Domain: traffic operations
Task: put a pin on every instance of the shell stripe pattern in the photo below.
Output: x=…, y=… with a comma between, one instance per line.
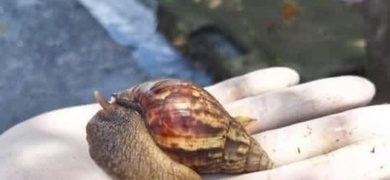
x=191, y=126
x=237, y=146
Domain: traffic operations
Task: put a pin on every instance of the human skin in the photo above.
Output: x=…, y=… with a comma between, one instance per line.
x=315, y=130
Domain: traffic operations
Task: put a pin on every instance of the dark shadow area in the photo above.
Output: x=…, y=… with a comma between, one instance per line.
x=212, y=47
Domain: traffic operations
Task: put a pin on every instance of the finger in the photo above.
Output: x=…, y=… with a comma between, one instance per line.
x=366, y=160
x=303, y=102
x=253, y=83
x=312, y=138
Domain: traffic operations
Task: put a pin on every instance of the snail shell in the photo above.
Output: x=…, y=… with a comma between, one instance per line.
x=193, y=128
x=170, y=129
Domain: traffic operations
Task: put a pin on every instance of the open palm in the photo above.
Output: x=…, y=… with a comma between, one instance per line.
x=316, y=130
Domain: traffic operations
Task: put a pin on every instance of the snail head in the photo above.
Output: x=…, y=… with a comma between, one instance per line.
x=108, y=133
x=121, y=145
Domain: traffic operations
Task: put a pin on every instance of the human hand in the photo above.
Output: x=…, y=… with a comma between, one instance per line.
x=319, y=130
x=53, y=145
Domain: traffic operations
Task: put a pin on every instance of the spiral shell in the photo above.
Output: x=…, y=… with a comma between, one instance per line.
x=193, y=128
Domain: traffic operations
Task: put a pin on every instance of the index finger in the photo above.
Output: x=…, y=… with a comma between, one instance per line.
x=253, y=83
x=303, y=102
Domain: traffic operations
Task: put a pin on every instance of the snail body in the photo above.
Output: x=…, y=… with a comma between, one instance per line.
x=182, y=123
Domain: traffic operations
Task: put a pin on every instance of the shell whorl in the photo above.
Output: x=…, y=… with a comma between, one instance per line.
x=192, y=127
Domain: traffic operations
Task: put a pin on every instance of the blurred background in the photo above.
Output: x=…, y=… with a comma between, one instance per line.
x=53, y=54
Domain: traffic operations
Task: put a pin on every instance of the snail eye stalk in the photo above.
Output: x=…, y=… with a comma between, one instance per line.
x=99, y=99
x=128, y=104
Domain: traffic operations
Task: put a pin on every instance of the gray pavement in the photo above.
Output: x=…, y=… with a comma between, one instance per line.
x=53, y=54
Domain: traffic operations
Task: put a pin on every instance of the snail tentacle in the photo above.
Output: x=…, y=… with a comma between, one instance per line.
x=102, y=102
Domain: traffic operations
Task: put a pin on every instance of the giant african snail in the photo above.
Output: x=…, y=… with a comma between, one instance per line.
x=170, y=129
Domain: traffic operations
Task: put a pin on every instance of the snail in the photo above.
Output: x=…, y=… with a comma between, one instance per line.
x=170, y=129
